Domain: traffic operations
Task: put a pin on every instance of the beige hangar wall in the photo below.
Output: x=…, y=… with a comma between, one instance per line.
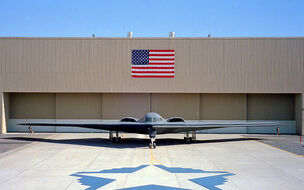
x=4, y=111
x=103, y=65
x=204, y=66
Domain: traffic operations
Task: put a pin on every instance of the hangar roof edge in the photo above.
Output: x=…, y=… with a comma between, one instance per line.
x=149, y=38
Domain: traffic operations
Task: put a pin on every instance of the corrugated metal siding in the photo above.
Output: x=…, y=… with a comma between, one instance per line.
x=221, y=65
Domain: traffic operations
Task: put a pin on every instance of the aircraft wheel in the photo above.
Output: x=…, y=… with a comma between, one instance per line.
x=115, y=140
x=188, y=140
x=154, y=145
x=150, y=145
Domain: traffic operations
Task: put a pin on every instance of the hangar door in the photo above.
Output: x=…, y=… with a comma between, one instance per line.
x=275, y=107
x=261, y=107
x=222, y=106
x=178, y=105
x=35, y=106
x=25, y=107
x=116, y=106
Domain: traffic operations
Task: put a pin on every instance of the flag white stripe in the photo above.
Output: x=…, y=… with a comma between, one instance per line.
x=152, y=61
x=151, y=53
x=152, y=66
x=161, y=57
x=152, y=69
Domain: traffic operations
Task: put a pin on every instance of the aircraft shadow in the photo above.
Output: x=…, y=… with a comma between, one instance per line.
x=127, y=142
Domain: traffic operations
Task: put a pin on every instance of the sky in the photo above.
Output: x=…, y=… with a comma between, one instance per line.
x=151, y=18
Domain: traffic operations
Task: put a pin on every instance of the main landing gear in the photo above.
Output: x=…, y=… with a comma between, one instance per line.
x=115, y=139
x=189, y=139
x=152, y=135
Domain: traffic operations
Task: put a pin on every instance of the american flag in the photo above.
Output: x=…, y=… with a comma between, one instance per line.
x=153, y=63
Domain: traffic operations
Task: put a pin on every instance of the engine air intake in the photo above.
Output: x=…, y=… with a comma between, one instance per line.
x=128, y=119
x=176, y=119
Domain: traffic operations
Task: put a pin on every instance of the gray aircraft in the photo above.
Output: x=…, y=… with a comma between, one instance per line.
x=152, y=124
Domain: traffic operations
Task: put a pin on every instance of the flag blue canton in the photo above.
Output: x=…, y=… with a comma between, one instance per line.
x=140, y=57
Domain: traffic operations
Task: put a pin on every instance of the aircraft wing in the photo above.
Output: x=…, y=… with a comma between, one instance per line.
x=161, y=128
x=173, y=127
x=129, y=127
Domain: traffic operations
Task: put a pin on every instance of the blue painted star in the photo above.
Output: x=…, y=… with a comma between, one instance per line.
x=152, y=177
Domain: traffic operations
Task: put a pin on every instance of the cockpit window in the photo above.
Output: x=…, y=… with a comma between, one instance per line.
x=156, y=119
x=152, y=117
x=148, y=119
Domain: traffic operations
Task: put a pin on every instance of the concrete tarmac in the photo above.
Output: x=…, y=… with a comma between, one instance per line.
x=290, y=143
x=89, y=161
x=7, y=143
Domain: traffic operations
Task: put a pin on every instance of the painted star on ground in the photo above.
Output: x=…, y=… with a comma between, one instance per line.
x=152, y=177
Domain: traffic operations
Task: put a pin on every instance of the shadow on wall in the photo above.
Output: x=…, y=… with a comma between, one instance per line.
x=210, y=182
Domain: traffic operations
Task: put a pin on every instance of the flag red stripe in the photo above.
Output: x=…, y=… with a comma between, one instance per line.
x=152, y=71
x=169, y=50
x=152, y=67
x=153, y=76
x=161, y=59
x=161, y=64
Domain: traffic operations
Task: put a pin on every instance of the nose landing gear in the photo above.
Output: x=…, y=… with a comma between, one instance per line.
x=152, y=135
x=152, y=144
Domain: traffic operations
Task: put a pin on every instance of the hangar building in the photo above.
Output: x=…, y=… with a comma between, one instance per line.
x=52, y=79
